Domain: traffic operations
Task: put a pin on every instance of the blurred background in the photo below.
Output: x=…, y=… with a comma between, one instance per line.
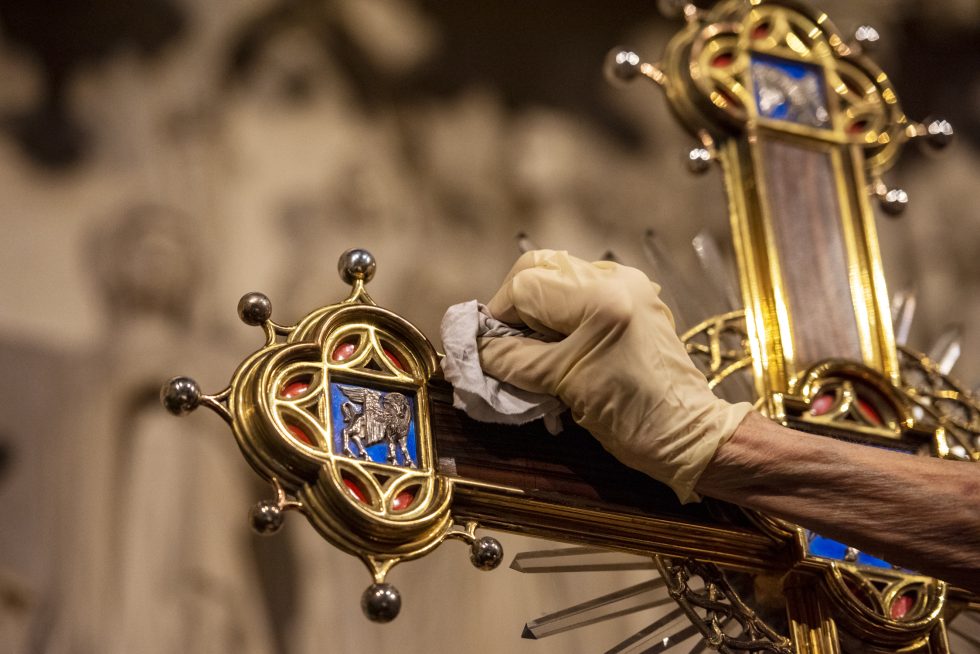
x=160, y=158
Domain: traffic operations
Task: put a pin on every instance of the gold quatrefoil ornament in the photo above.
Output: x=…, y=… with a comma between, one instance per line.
x=334, y=413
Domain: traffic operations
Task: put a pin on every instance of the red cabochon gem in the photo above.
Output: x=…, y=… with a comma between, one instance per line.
x=355, y=490
x=344, y=351
x=761, y=31
x=902, y=605
x=403, y=500
x=869, y=412
x=295, y=389
x=394, y=359
x=299, y=434
x=723, y=60
x=821, y=404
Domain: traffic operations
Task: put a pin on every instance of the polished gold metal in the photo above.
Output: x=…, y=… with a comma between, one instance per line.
x=714, y=607
x=708, y=68
x=279, y=407
x=943, y=405
x=811, y=625
x=719, y=345
x=284, y=417
x=868, y=390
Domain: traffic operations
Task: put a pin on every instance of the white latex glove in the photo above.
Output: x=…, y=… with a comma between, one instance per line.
x=618, y=364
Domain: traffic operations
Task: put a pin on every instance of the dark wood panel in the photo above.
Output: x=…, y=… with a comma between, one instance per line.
x=806, y=220
x=570, y=469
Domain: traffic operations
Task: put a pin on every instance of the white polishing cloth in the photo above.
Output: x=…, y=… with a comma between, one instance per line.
x=482, y=397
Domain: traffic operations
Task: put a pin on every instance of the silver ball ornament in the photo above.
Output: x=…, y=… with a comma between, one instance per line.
x=180, y=395
x=867, y=37
x=698, y=160
x=486, y=553
x=939, y=134
x=894, y=201
x=254, y=308
x=356, y=264
x=266, y=517
x=381, y=602
x=621, y=65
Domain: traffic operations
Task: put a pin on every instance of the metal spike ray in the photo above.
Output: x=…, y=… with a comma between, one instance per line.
x=579, y=559
x=718, y=272
x=945, y=352
x=525, y=244
x=903, y=311
x=975, y=618
x=642, y=596
x=973, y=640
x=674, y=290
x=651, y=636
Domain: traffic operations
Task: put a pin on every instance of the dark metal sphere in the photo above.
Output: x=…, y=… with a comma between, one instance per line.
x=381, y=602
x=266, y=517
x=621, y=65
x=867, y=37
x=698, y=160
x=486, y=553
x=894, y=201
x=356, y=264
x=254, y=308
x=180, y=395
x=939, y=134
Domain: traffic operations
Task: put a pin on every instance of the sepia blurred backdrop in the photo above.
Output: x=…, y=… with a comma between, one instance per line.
x=159, y=159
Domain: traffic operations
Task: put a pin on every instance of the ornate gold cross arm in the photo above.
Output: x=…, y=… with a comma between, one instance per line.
x=346, y=416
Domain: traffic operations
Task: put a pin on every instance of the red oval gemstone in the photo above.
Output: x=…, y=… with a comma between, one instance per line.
x=821, y=404
x=355, y=490
x=857, y=127
x=394, y=359
x=294, y=389
x=299, y=434
x=869, y=412
x=403, y=500
x=344, y=351
x=761, y=31
x=723, y=60
x=901, y=606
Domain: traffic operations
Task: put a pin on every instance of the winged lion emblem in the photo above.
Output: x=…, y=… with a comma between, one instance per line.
x=382, y=418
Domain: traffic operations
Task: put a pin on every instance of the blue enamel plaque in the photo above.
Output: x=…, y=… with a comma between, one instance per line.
x=790, y=91
x=373, y=424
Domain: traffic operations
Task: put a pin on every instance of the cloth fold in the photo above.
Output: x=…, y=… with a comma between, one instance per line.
x=482, y=397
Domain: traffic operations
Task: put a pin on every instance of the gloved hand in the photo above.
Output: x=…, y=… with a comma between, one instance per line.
x=618, y=364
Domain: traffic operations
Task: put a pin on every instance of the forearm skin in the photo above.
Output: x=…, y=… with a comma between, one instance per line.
x=916, y=512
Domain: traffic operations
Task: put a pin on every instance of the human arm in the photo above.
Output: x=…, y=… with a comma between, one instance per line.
x=920, y=513
x=619, y=366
